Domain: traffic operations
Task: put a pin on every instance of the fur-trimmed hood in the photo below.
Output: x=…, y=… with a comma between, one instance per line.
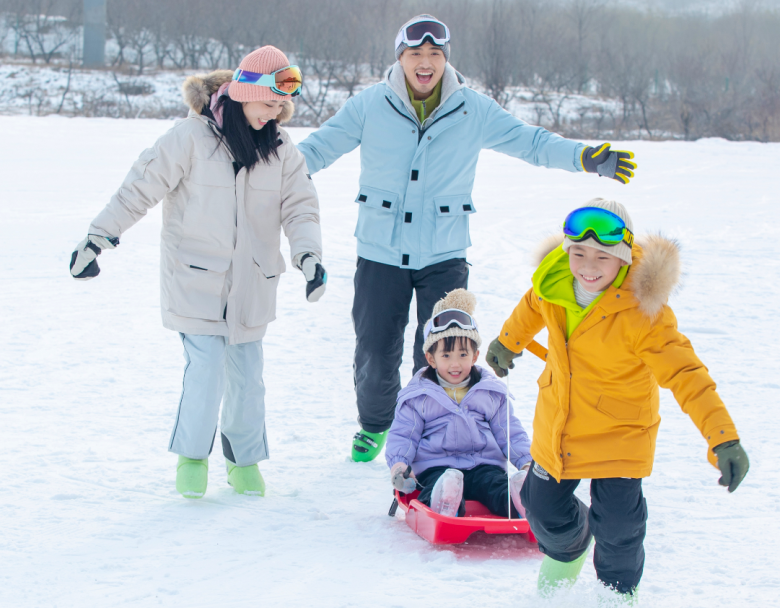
x=197, y=91
x=654, y=275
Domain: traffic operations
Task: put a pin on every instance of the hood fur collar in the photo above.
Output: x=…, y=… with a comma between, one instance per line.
x=197, y=91
x=654, y=275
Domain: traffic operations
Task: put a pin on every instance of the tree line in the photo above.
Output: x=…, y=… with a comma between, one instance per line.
x=590, y=68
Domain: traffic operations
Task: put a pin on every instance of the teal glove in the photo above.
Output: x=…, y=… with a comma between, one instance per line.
x=499, y=357
x=615, y=164
x=733, y=463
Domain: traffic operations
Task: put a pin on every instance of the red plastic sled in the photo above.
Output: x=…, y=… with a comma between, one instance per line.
x=443, y=530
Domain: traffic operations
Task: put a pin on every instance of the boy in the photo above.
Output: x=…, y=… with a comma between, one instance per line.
x=612, y=341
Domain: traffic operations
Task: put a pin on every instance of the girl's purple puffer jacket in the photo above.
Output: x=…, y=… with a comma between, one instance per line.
x=430, y=429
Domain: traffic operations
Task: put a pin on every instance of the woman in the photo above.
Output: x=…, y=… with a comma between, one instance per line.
x=229, y=179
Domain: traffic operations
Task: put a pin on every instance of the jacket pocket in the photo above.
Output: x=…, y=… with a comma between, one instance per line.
x=545, y=379
x=266, y=176
x=198, y=281
x=260, y=304
x=619, y=410
x=212, y=173
x=377, y=218
x=452, y=223
x=268, y=258
x=138, y=170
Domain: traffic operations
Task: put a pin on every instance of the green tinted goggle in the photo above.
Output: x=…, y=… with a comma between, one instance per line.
x=599, y=224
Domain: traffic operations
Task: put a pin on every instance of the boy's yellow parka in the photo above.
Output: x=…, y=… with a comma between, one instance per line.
x=597, y=410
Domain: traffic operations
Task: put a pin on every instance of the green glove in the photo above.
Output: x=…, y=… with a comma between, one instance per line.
x=733, y=464
x=499, y=357
x=609, y=163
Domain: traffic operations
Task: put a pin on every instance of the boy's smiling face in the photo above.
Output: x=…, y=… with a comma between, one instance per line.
x=453, y=366
x=594, y=269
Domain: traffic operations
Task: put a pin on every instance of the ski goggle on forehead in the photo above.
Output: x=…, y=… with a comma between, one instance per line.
x=447, y=318
x=286, y=81
x=415, y=33
x=599, y=224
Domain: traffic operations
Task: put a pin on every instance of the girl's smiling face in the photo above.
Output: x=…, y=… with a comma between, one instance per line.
x=453, y=366
x=258, y=113
x=594, y=269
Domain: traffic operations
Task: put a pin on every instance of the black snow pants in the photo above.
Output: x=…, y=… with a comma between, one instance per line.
x=380, y=313
x=563, y=525
x=486, y=483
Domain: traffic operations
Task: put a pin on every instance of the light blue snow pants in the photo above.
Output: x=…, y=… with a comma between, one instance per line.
x=215, y=369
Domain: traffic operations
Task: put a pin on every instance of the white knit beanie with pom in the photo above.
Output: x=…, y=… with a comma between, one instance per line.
x=458, y=299
x=621, y=250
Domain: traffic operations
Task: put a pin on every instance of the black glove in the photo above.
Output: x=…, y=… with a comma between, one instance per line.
x=83, y=261
x=316, y=277
x=499, y=357
x=733, y=463
x=614, y=164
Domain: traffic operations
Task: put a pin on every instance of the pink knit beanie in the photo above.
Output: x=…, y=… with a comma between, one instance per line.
x=264, y=60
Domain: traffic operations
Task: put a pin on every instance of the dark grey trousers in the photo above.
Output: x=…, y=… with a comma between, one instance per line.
x=485, y=483
x=563, y=525
x=380, y=313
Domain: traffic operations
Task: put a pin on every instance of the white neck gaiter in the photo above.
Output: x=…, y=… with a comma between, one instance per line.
x=445, y=384
x=583, y=296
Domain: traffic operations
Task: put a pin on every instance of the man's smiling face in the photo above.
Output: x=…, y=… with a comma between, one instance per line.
x=423, y=67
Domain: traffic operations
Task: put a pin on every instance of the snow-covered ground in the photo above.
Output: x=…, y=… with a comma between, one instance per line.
x=89, y=382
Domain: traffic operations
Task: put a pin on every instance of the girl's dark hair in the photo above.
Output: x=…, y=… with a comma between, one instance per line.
x=449, y=344
x=247, y=145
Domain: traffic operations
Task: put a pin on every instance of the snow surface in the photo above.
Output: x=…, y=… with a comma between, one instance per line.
x=89, y=382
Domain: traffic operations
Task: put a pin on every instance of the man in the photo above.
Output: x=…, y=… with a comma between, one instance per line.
x=420, y=133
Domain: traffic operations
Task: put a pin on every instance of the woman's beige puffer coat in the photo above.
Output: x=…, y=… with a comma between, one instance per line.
x=220, y=246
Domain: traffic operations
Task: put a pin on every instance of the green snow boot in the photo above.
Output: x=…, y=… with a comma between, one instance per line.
x=246, y=480
x=192, y=476
x=366, y=446
x=554, y=575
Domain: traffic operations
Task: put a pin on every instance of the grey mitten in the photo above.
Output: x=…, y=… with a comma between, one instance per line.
x=733, y=463
x=316, y=277
x=499, y=357
x=402, y=478
x=83, y=261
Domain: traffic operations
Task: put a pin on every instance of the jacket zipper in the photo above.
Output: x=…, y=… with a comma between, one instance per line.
x=420, y=130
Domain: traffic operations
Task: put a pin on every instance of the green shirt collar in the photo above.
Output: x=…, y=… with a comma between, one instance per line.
x=425, y=107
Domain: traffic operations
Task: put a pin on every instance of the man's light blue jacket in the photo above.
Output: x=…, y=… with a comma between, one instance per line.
x=416, y=180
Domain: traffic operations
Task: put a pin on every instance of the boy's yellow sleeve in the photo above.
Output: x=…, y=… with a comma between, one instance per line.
x=670, y=355
x=524, y=323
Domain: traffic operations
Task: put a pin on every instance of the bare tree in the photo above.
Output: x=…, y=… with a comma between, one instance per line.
x=44, y=27
x=583, y=15
x=497, y=51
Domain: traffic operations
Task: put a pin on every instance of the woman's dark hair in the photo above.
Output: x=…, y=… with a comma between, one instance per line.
x=449, y=344
x=247, y=145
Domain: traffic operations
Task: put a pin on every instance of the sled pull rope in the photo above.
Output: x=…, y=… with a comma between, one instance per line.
x=508, y=451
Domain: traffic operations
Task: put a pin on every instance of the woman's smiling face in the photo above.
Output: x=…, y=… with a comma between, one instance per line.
x=258, y=113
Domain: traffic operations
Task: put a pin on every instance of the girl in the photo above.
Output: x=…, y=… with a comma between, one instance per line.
x=230, y=179
x=450, y=423
x=612, y=341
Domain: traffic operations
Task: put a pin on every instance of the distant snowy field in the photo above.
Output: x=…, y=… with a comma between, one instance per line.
x=89, y=382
